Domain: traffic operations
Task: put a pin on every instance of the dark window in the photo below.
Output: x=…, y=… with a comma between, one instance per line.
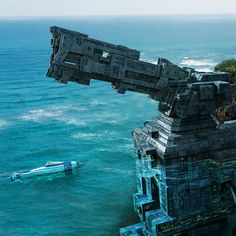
x=154, y=161
x=139, y=155
x=144, y=185
x=155, y=192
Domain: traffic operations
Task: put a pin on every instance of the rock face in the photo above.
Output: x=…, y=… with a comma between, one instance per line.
x=186, y=158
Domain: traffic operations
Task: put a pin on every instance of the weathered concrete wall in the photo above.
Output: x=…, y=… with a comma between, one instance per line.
x=185, y=177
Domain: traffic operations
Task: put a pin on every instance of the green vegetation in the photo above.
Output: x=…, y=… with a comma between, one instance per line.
x=228, y=66
x=227, y=112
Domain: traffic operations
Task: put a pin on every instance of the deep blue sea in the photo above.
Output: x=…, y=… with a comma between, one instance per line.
x=42, y=120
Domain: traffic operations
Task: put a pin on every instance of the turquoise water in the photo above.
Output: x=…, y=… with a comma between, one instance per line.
x=41, y=120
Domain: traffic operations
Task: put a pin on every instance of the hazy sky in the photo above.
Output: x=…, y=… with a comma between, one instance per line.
x=114, y=7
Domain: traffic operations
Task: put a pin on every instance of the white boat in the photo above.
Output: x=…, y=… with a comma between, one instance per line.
x=50, y=168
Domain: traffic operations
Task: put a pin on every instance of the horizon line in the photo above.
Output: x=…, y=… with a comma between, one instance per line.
x=121, y=15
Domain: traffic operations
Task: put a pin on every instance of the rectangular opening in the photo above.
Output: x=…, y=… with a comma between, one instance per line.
x=70, y=63
x=154, y=161
x=144, y=187
x=72, y=59
x=105, y=58
x=155, y=192
x=105, y=54
x=139, y=155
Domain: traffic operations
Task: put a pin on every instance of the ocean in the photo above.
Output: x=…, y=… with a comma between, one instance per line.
x=42, y=120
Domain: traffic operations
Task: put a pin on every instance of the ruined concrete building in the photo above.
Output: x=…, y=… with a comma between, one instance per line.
x=185, y=159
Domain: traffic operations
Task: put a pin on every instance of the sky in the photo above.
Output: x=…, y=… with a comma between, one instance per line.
x=18, y=8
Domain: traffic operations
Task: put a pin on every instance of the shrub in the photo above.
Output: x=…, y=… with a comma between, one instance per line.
x=227, y=112
x=228, y=66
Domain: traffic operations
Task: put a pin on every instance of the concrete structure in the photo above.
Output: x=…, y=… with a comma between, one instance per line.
x=186, y=159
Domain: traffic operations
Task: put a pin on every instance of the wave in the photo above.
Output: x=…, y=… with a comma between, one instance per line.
x=42, y=115
x=117, y=171
x=69, y=107
x=72, y=121
x=200, y=65
x=87, y=136
x=96, y=102
x=3, y=123
x=197, y=63
x=70, y=115
x=113, y=122
x=204, y=70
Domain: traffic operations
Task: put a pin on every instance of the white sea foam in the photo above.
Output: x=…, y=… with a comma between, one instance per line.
x=85, y=135
x=204, y=70
x=96, y=102
x=73, y=121
x=3, y=123
x=113, y=122
x=206, y=65
x=197, y=63
x=42, y=115
x=69, y=107
x=117, y=171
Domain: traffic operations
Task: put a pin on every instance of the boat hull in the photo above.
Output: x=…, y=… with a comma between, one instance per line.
x=66, y=168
